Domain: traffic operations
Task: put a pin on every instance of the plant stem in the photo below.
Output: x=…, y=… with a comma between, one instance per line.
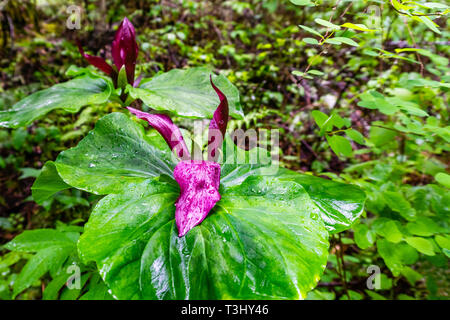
x=341, y=257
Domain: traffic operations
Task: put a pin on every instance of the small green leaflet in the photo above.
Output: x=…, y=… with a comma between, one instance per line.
x=340, y=145
x=310, y=30
x=443, y=178
x=301, y=74
x=359, y=27
x=340, y=40
x=308, y=3
x=311, y=41
x=327, y=24
x=48, y=183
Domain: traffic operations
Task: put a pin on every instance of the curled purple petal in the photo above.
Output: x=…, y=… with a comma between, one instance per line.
x=218, y=125
x=169, y=131
x=199, y=192
x=137, y=81
x=124, y=49
x=97, y=62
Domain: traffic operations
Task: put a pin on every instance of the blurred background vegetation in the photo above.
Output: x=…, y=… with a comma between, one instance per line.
x=371, y=111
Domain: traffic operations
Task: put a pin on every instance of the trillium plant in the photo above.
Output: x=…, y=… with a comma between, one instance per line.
x=170, y=224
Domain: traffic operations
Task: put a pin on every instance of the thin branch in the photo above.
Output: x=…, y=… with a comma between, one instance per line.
x=415, y=46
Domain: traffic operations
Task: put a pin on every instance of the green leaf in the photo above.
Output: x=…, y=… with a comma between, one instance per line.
x=381, y=136
x=302, y=2
x=320, y=118
x=47, y=183
x=316, y=72
x=327, y=24
x=426, y=83
x=339, y=204
x=310, y=30
x=388, y=252
x=421, y=244
x=434, y=5
x=381, y=104
x=388, y=229
x=29, y=173
x=39, y=239
x=310, y=41
x=69, y=96
x=355, y=136
x=359, y=27
x=443, y=241
x=346, y=41
x=400, y=6
x=340, y=145
x=411, y=275
x=301, y=74
x=396, y=255
x=74, y=293
x=97, y=291
x=331, y=121
x=374, y=295
x=443, y=179
x=114, y=155
x=407, y=106
x=320, y=295
x=51, y=291
x=122, y=80
x=188, y=93
x=385, y=282
x=260, y=241
x=429, y=23
x=353, y=296
x=423, y=226
x=364, y=238
x=397, y=202
x=333, y=41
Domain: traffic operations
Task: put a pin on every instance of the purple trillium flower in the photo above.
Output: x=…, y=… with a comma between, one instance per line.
x=198, y=180
x=199, y=191
x=124, y=51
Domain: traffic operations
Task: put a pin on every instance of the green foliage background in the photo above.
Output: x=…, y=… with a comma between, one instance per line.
x=362, y=107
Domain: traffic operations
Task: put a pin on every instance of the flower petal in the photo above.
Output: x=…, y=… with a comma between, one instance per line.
x=169, y=131
x=124, y=49
x=137, y=81
x=199, y=192
x=218, y=125
x=97, y=62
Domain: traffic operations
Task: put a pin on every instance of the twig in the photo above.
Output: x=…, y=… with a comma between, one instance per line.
x=310, y=149
x=415, y=45
x=344, y=280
